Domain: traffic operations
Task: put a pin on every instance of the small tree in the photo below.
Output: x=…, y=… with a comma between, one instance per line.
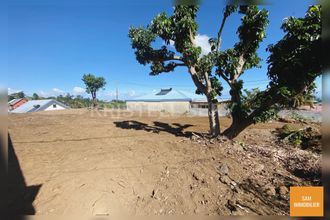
x=35, y=96
x=17, y=95
x=20, y=95
x=93, y=84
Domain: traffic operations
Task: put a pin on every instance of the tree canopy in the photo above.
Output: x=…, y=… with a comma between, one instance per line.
x=293, y=65
x=93, y=84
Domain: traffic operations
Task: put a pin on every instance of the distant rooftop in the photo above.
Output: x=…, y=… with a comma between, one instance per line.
x=14, y=101
x=37, y=105
x=169, y=94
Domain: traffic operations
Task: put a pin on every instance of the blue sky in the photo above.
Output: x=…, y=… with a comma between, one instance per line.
x=51, y=44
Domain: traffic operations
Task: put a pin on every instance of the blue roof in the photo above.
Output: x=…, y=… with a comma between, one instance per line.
x=169, y=95
x=37, y=105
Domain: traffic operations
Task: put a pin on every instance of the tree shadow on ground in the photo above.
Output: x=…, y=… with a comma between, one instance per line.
x=20, y=196
x=176, y=129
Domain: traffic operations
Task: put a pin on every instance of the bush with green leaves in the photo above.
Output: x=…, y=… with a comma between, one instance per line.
x=306, y=138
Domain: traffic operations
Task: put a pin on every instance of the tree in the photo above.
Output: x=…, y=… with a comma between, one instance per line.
x=181, y=29
x=35, y=96
x=17, y=95
x=293, y=65
x=20, y=95
x=93, y=84
x=294, y=62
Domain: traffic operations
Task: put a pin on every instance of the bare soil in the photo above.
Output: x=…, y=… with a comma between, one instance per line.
x=105, y=163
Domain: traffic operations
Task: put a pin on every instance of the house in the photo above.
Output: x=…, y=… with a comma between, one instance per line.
x=15, y=103
x=171, y=101
x=40, y=105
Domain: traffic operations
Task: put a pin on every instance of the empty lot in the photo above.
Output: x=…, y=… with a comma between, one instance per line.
x=104, y=163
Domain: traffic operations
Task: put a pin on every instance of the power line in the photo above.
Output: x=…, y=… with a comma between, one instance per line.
x=249, y=82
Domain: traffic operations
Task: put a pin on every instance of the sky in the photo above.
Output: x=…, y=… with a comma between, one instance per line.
x=51, y=44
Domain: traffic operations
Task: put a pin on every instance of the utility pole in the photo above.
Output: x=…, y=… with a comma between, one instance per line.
x=116, y=94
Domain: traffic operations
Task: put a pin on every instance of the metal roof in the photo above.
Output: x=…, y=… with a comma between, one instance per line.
x=14, y=101
x=37, y=105
x=169, y=95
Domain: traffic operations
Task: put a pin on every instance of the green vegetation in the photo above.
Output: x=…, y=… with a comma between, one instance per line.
x=35, y=96
x=293, y=64
x=81, y=102
x=93, y=84
x=17, y=95
x=306, y=138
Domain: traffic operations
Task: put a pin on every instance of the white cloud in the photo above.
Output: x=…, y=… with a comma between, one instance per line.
x=78, y=90
x=52, y=92
x=202, y=41
x=11, y=91
x=58, y=91
x=43, y=93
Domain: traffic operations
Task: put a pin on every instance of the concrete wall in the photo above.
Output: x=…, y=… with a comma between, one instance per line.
x=174, y=107
x=51, y=108
x=179, y=107
x=222, y=110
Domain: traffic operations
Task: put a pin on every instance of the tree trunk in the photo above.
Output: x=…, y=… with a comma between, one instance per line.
x=94, y=101
x=239, y=122
x=236, y=127
x=213, y=118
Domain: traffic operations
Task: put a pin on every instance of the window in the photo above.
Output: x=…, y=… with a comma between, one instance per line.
x=164, y=91
x=199, y=105
x=54, y=105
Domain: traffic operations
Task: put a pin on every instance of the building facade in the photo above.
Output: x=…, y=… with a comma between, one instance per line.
x=172, y=101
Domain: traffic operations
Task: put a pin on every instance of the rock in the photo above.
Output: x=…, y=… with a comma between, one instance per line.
x=196, y=176
x=259, y=167
x=153, y=194
x=270, y=191
x=283, y=191
x=231, y=205
x=223, y=169
x=225, y=180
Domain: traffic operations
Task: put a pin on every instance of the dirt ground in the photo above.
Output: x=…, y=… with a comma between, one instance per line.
x=105, y=163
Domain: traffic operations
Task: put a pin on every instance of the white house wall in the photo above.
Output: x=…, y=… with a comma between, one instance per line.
x=51, y=108
x=180, y=107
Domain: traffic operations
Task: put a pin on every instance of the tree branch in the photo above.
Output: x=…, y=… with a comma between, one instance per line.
x=179, y=64
x=196, y=80
x=191, y=37
x=239, y=68
x=220, y=31
x=219, y=72
x=207, y=82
